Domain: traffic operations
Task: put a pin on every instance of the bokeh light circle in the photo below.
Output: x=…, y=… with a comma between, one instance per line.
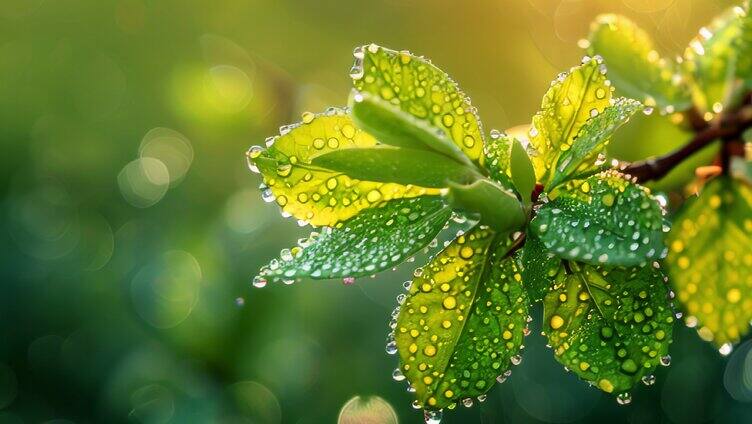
x=255, y=402
x=144, y=182
x=367, y=410
x=171, y=148
x=165, y=292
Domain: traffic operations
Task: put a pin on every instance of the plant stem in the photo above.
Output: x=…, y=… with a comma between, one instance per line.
x=727, y=127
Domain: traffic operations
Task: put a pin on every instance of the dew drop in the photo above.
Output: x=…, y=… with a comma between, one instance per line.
x=391, y=347
x=239, y=302
x=648, y=380
x=726, y=349
x=666, y=360
x=259, y=282
x=432, y=417
x=397, y=375
x=624, y=398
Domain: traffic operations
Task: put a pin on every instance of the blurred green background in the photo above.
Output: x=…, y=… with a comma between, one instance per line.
x=131, y=226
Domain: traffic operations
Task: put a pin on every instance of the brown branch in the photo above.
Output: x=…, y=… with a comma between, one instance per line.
x=726, y=127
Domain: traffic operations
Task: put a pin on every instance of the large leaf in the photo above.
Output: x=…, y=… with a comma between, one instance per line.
x=634, y=66
x=710, y=261
x=462, y=321
x=313, y=194
x=394, y=165
x=714, y=62
x=421, y=89
x=570, y=102
x=610, y=326
x=604, y=219
x=497, y=207
x=375, y=240
x=592, y=140
x=539, y=267
x=395, y=127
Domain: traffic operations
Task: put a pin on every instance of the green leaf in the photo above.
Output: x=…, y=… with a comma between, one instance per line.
x=713, y=60
x=610, y=326
x=497, y=207
x=377, y=239
x=393, y=165
x=392, y=126
x=312, y=194
x=570, y=102
x=523, y=174
x=422, y=90
x=710, y=261
x=539, y=267
x=463, y=320
x=592, y=140
x=498, y=155
x=634, y=66
x=602, y=220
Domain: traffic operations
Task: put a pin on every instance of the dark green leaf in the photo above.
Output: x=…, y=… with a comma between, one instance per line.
x=497, y=207
x=393, y=165
x=635, y=67
x=539, y=267
x=710, y=261
x=377, y=239
x=462, y=321
x=421, y=89
x=523, y=174
x=592, y=139
x=602, y=220
x=391, y=125
x=610, y=326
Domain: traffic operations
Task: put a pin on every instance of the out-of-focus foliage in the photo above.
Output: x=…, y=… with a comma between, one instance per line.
x=131, y=225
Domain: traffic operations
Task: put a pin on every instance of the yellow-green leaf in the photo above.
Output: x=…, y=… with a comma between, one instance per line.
x=635, y=67
x=710, y=261
x=571, y=101
x=463, y=320
x=421, y=89
x=314, y=194
x=713, y=58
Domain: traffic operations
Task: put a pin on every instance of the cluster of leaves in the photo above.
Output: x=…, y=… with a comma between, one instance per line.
x=384, y=177
x=710, y=258
x=551, y=220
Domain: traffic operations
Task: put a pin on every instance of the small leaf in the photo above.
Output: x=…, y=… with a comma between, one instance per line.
x=392, y=126
x=610, y=326
x=523, y=174
x=462, y=321
x=498, y=155
x=312, y=194
x=710, y=261
x=570, y=102
x=422, y=90
x=497, y=207
x=713, y=57
x=375, y=240
x=539, y=267
x=635, y=67
x=592, y=140
x=602, y=220
x=393, y=165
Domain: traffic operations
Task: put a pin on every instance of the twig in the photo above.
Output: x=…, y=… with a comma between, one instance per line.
x=726, y=127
